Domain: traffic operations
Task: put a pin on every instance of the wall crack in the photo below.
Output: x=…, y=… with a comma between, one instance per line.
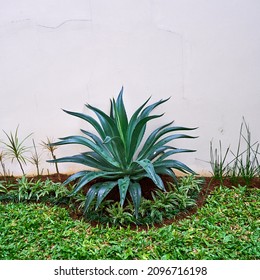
x=63, y=23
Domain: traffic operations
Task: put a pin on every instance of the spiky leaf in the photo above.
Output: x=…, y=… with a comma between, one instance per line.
x=135, y=193
x=123, y=185
x=104, y=190
x=149, y=168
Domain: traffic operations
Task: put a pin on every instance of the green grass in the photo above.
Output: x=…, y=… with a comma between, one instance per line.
x=227, y=227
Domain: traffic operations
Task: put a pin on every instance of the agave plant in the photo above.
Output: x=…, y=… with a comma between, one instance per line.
x=117, y=156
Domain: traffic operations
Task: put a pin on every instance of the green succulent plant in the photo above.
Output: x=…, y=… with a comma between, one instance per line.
x=117, y=154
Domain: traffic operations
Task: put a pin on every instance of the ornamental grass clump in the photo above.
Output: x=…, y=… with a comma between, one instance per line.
x=120, y=155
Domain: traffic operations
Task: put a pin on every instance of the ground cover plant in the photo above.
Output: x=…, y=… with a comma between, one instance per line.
x=154, y=209
x=32, y=190
x=226, y=227
x=119, y=157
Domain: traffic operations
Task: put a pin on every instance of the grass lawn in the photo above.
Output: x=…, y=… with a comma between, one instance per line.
x=226, y=227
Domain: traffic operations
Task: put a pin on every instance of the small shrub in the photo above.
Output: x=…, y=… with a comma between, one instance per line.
x=15, y=149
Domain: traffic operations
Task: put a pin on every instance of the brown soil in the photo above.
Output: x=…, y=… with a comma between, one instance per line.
x=148, y=187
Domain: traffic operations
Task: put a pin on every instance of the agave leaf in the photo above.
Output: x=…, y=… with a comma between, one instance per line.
x=90, y=120
x=172, y=152
x=135, y=193
x=123, y=185
x=120, y=116
x=132, y=129
x=91, y=194
x=87, y=142
x=133, y=121
x=151, y=107
x=95, y=138
x=157, y=134
x=166, y=171
x=174, y=128
x=75, y=176
x=149, y=168
x=85, y=160
x=106, y=122
x=110, y=149
x=134, y=139
x=149, y=152
x=151, y=139
x=158, y=152
x=118, y=149
x=111, y=113
x=90, y=175
x=110, y=128
x=136, y=133
x=134, y=117
x=174, y=164
x=103, y=191
x=100, y=159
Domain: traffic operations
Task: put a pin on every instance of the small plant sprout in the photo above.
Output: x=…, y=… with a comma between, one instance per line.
x=15, y=148
x=35, y=159
x=51, y=148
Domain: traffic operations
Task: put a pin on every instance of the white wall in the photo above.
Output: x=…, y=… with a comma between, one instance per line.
x=62, y=54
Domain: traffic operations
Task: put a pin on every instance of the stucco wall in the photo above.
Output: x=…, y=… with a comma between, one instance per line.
x=62, y=54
